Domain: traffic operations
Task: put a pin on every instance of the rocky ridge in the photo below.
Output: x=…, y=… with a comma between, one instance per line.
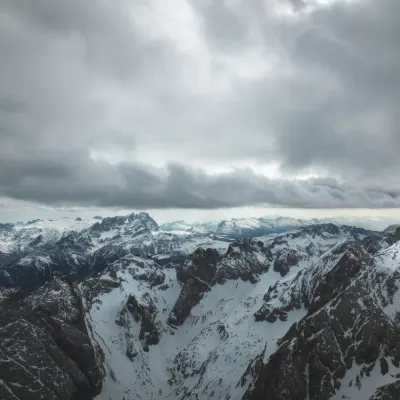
x=29, y=254
x=45, y=348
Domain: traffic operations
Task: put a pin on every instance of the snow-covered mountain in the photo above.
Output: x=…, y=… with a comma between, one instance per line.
x=252, y=227
x=29, y=253
x=196, y=227
x=237, y=227
x=308, y=314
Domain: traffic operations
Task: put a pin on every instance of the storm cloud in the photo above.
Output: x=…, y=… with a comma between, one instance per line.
x=193, y=104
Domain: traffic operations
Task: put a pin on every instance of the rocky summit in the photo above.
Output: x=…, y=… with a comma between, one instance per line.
x=121, y=308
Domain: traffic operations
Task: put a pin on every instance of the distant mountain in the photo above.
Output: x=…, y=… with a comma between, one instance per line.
x=241, y=227
x=252, y=227
x=197, y=227
x=236, y=227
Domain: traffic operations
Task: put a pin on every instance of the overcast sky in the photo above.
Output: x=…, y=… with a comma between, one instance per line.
x=200, y=104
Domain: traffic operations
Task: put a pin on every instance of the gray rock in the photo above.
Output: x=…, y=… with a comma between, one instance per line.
x=145, y=313
x=45, y=348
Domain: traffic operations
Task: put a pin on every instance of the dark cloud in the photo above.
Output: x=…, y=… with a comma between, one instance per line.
x=94, y=99
x=58, y=182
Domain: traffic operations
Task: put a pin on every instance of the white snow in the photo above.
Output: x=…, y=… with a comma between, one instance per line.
x=389, y=258
x=366, y=386
x=197, y=342
x=146, y=375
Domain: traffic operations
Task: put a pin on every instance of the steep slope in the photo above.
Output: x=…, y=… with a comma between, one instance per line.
x=146, y=358
x=347, y=345
x=45, y=349
x=127, y=311
x=18, y=237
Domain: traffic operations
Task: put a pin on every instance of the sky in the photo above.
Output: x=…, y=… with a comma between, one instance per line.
x=200, y=108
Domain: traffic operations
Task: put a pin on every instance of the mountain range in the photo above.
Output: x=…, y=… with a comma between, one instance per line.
x=257, y=308
x=239, y=227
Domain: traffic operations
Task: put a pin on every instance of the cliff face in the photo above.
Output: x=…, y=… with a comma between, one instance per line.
x=45, y=348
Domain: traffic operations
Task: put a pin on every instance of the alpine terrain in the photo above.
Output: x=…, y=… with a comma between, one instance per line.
x=121, y=308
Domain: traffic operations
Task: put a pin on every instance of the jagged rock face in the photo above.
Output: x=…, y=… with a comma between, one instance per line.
x=155, y=278
x=375, y=243
x=141, y=220
x=319, y=348
x=245, y=259
x=196, y=275
x=145, y=314
x=313, y=286
x=202, y=265
x=95, y=287
x=330, y=229
x=34, y=269
x=3, y=258
x=387, y=392
x=348, y=261
x=345, y=336
x=284, y=260
x=44, y=345
x=392, y=233
x=31, y=267
x=192, y=292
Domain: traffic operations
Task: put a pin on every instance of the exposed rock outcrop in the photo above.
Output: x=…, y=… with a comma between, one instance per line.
x=346, y=332
x=144, y=313
x=44, y=346
x=196, y=275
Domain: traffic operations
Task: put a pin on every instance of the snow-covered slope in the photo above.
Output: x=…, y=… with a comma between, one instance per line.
x=347, y=346
x=182, y=227
x=45, y=349
x=206, y=355
x=20, y=236
x=251, y=227
x=237, y=227
x=256, y=226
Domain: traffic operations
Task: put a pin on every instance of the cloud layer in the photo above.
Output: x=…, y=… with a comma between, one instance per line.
x=140, y=104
